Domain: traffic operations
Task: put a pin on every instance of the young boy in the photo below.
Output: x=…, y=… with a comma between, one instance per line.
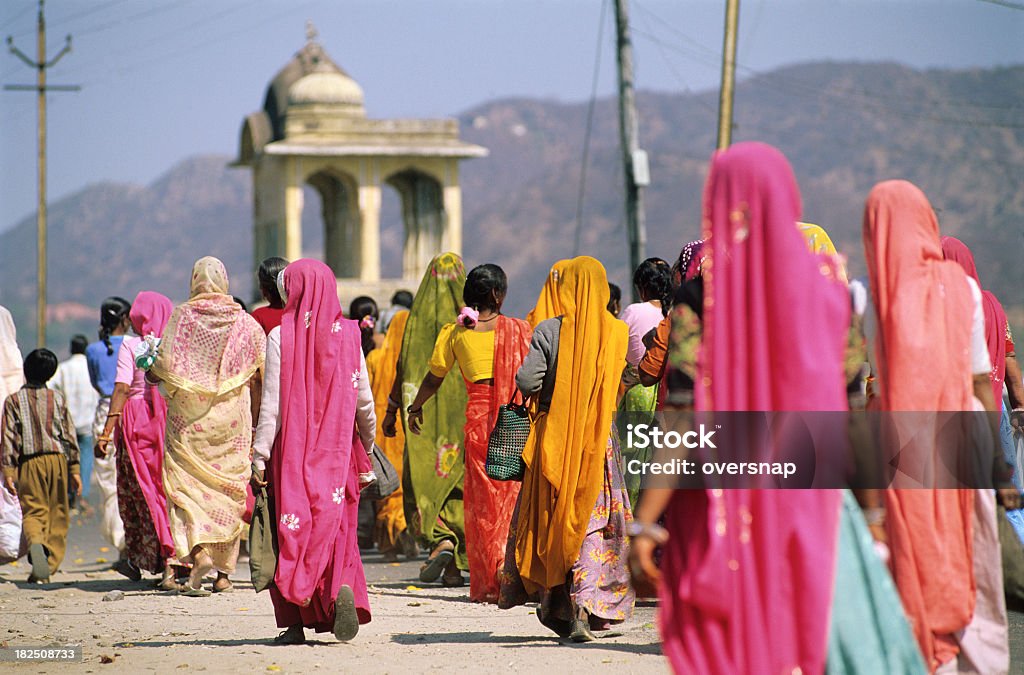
x=38, y=449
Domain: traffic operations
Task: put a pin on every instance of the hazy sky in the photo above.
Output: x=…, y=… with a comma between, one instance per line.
x=165, y=79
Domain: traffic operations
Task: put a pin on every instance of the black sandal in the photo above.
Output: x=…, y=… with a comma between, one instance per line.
x=437, y=562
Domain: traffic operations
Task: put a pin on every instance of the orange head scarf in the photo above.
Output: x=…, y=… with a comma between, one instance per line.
x=565, y=453
x=923, y=303
x=547, y=303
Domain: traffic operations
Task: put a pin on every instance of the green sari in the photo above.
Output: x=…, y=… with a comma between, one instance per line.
x=637, y=406
x=434, y=462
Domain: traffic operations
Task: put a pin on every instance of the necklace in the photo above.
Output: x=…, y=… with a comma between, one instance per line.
x=490, y=318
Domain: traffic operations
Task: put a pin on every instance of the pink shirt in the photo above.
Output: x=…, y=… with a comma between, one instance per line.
x=641, y=317
x=127, y=373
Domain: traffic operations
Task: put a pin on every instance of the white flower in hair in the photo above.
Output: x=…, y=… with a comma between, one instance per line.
x=339, y=495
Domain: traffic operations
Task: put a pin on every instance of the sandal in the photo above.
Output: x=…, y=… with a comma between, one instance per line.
x=346, y=619
x=581, y=627
x=195, y=592
x=452, y=577
x=437, y=562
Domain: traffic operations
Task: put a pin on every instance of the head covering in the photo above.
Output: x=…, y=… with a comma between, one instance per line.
x=775, y=318
x=434, y=458
x=923, y=303
x=547, y=303
x=819, y=242
x=565, y=459
x=775, y=322
x=208, y=276
x=210, y=345
x=315, y=477
x=149, y=313
x=690, y=262
x=11, y=373
x=995, y=317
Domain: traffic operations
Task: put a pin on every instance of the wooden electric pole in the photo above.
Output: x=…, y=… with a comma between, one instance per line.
x=634, y=159
x=725, y=95
x=41, y=65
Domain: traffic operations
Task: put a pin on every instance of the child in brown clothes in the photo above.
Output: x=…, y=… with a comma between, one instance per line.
x=38, y=450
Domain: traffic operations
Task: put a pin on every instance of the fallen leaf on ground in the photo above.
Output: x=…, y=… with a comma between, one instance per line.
x=104, y=549
x=79, y=561
x=395, y=565
x=102, y=560
x=106, y=659
x=414, y=604
x=243, y=609
x=413, y=588
x=274, y=668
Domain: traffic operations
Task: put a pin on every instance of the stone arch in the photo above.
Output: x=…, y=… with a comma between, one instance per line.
x=424, y=218
x=339, y=199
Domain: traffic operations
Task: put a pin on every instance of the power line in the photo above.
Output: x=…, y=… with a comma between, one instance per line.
x=586, y=135
x=1005, y=3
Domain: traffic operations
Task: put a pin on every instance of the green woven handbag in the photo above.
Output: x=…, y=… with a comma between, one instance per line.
x=507, y=440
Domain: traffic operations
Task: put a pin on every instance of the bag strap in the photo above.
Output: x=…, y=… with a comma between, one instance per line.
x=515, y=392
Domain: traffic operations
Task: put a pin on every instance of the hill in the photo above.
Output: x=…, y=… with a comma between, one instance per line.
x=957, y=134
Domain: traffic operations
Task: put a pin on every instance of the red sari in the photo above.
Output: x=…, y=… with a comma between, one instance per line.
x=489, y=503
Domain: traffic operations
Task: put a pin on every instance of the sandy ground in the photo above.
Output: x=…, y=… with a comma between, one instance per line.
x=416, y=627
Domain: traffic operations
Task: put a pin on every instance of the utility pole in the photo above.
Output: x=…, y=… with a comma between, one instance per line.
x=637, y=173
x=725, y=94
x=41, y=65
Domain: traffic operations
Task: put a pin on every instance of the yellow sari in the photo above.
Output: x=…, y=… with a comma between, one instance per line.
x=381, y=365
x=565, y=453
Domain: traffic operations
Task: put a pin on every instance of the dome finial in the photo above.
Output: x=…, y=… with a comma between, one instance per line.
x=311, y=32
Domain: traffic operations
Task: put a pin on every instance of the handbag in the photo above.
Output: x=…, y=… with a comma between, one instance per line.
x=387, y=477
x=262, y=542
x=507, y=440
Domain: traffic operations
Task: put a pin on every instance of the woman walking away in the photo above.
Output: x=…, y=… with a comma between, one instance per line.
x=568, y=541
x=139, y=415
x=489, y=348
x=269, y=317
x=363, y=310
x=434, y=462
x=11, y=375
x=210, y=351
x=316, y=431
x=653, y=281
x=390, y=532
x=922, y=300
x=101, y=357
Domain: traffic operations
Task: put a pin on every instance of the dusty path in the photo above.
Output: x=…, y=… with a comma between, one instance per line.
x=415, y=627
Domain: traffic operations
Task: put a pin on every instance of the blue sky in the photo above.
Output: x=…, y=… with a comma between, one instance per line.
x=166, y=79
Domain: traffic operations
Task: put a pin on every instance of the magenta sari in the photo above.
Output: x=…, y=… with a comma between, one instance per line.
x=315, y=462
x=748, y=574
x=140, y=440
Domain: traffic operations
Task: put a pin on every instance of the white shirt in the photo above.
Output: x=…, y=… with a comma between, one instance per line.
x=72, y=380
x=270, y=407
x=981, y=364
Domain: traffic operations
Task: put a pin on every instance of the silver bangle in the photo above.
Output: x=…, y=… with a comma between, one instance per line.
x=656, y=532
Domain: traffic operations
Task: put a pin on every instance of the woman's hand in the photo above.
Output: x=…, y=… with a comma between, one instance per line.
x=390, y=422
x=10, y=485
x=100, y=451
x=643, y=573
x=415, y=419
x=257, y=479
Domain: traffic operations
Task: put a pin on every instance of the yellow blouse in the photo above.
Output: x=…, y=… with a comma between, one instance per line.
x=473, y=350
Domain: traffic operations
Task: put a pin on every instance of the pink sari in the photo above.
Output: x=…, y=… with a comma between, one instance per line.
x=317, y=456
x=748, y=574
x=141, y=437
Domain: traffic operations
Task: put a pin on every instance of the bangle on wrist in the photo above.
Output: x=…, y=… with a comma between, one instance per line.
x=656, y=532
x=392, y=403
x=414, y=411
x=109, y=415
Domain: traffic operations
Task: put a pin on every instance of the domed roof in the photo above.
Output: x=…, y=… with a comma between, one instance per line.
x=325, y=87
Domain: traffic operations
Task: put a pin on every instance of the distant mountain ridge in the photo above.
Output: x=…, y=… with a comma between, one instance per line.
x=957, y=134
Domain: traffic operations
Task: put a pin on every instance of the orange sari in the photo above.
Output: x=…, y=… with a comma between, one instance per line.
x=489, y=503
x=381, y=365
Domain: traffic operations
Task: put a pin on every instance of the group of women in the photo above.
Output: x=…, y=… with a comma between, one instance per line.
x=756, y=316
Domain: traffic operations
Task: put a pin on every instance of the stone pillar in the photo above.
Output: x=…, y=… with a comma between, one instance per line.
x=369, y=240
x=293, y=210
x=451, y=234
